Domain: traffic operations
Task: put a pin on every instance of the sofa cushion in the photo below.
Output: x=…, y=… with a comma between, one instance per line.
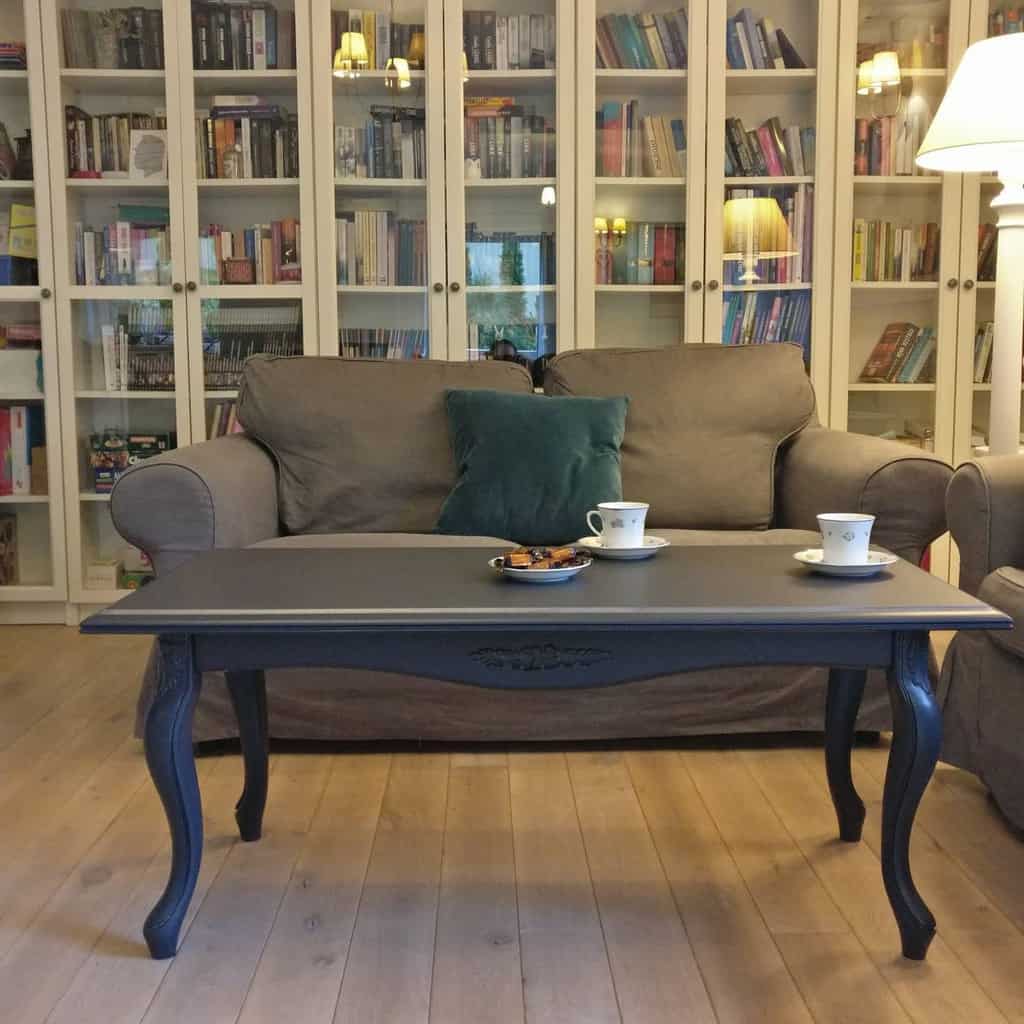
x=383, y=540
x=1004, y=589
x=361, y=444
x=531, y=467
x=705, y=425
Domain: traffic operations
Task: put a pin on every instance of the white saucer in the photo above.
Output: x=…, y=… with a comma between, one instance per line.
x=650, y=547
x=814, y=559
x=536, y=575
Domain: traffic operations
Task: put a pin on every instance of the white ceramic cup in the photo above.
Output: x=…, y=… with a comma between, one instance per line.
x=622, y=523
x=845, y=537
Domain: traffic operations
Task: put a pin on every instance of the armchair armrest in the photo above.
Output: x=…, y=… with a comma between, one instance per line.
x=985, y=506
x=832, y=471
x=219, y=494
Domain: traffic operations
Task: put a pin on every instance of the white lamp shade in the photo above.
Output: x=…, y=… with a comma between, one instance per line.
x=979, y=125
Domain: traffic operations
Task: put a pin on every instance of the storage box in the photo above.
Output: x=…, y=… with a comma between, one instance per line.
x=21, y=371
x=134, y=580
x=103, y=574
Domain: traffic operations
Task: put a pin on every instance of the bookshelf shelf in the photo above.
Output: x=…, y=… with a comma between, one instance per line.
x=246, y=186
x=987, y=386
x=513, y=184
x=645, y=183
x=107, y=81
x=640, y=289
x=769, y=81
x=24, y=499
x=250, y=291
x=278, y=80
x=16, y=186
x=21, y=396
x=924, y=74
x=116, y=184
x=102, y=597
x=382, y=289
x=865, y=387
x=653, y=82
x=895, y=286
x=14, y=82
x=525, y=82
x=375, y=80
x=118, y=293
x=222, y=393
x=89, y=496
x=377, y=186
x=985, y=286
x=885, y=184
x=792, y=286
x=122, y=396
x=19, y=293
x=497, y=289
x=769, y=181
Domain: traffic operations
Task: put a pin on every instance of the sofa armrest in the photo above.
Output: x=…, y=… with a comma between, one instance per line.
x=832, y=471
x=219, y=494
x=985, y=506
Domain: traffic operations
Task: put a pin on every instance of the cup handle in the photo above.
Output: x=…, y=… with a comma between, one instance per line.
x=594, y=512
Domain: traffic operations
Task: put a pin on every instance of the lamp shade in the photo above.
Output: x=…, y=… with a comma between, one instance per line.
x=885, y=69
x=979, y=125
x=865, y=80
x=352, y=52
x=755, y=226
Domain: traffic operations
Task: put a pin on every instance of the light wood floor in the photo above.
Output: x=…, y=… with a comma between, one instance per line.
x=688, y=885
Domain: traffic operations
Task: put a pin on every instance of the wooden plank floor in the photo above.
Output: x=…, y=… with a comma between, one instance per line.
x=691, y=883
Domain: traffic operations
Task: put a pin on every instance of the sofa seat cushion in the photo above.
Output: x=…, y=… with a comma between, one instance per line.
x=705, y=425
x=384, y=540
x=361, y=444
x=1004, y=589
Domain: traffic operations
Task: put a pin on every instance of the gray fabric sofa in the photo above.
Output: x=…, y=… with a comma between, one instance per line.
x=982, y=683
x=722, y=441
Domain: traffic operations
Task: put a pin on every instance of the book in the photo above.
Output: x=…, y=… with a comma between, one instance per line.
x=497, y=42
x=134, y=249
x=126, y=38
x=247, y=140
x=242, y=35
x=645, y=40
x=391, y=144
x=753, y=43
x=384, y=343
x=8, y=539
x=884, y=361
x=751, y=318
x=650, y=253
x=888, y=251
x=231, y=334
x=630, y=144
x=987, y=246
x=101, y=146
x=377, y=248
x=218, y=245
x=499, y=133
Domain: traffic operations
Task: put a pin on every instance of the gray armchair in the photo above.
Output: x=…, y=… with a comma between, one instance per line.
x=982, y=683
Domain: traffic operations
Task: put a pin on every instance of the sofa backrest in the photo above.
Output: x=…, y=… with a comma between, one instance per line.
x=361, y=444
x=704, y=426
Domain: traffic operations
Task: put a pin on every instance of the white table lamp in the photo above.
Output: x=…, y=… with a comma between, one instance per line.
x=979, y=127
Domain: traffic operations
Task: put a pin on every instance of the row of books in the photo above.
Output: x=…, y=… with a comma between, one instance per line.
x=508, y=42
x=752, y=42
x=222, y=419
x=19, y=246
x=886, y=251
x=503, y=139
x=383, y=343
x=888, y=145
x=13, y=57
x=988, y=244
x=509, y=258
x=244, y=137
x=136, y=348
x=631, y=144
x=647, y=40
x=769, y=149
x=99, y=145
x=22, y=433
x=919, y=41
x=118, y=37
x=797, y=205
x=242, y=35
x=133, y=249
x=904, y=354
x=376, y=247
x=20, y=335
x=983, y=338
x=1007, y=20
x=648, y=253
x=268, y=253
x=232, y=334
x=755, y=318
x=385, y=38
x=391, y=144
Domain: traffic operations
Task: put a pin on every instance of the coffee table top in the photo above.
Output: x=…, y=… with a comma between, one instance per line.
x=746, y=587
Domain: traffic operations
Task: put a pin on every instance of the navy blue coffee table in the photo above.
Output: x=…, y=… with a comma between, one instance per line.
x=443, y=614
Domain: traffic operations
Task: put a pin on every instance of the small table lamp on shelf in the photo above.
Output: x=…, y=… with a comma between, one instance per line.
x=979, y=127
x=755, y=229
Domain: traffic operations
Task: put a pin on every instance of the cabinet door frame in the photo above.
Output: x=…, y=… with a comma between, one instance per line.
x=455, y=179
x=322, y=89
x=695, y=201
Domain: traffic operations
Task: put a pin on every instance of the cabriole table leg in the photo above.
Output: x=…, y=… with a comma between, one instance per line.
x=845, y=690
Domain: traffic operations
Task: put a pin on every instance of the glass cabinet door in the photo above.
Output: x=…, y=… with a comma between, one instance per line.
x=379, y=98
x=509, y=96
x=248, y=196
x=117, y=201
x=771, y=130
x=640, y=209
x=31, y=506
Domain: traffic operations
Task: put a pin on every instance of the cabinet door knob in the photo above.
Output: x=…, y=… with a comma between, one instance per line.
x=952, y=282
x=696, y=285
x=191, y=286
x=712, y=286
x=438, y=287
x=177, y=287
x=968, y=284
x=455, y=286
x=45, y=293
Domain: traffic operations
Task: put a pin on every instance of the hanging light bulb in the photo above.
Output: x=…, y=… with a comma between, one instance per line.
x=547, y=195
x=351, y=57
x=396, y=73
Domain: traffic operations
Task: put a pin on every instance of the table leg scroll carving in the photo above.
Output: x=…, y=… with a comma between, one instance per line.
x=169, y=756
x=917, y=736
x=845, y=690
x=248, y=692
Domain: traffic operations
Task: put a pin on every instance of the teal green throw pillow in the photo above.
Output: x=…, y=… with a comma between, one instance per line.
x=530, y=467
